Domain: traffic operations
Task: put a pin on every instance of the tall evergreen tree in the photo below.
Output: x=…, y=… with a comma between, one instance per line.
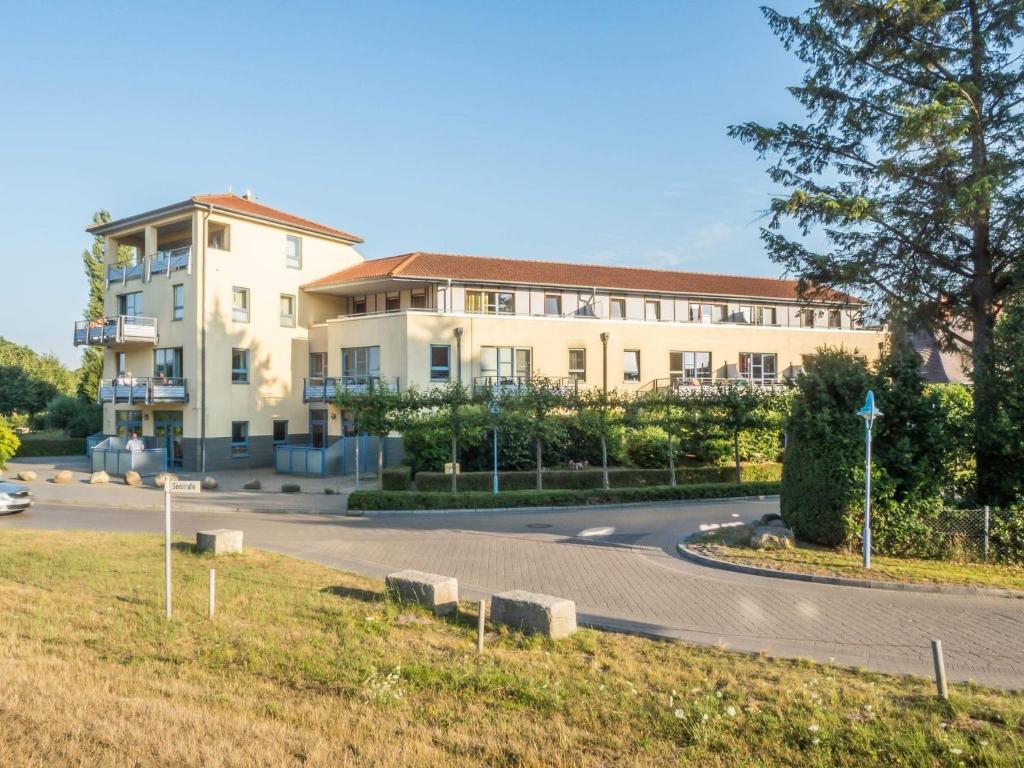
x=911, y=163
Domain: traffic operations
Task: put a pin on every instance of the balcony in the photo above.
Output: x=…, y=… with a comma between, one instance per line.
x=159, y=263
x=122, y=329
x=324, y=389
x=143, y=391
x=497, y=385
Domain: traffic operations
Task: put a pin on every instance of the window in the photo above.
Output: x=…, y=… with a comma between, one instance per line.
x=239, y=439
x=491, y=302
x=578, y=364
x=287, y=311
x=126, y=422
x=553, y=305
x=688, y=366
x=631, y=365
x=707, y=313
x=835, y=318
x=358, y=305
x=440, y=362
x=239, y=366
x=418, y=298
x=760, y=315
x=280, y=431
x=617, y=309
x=317, y=365
x=806, y=318
x=652, y=309
x=217, y=236
x=392, y=302
x=178, y=302
x=120, y=363
x=758, y=367
x=167, y=363
x=293, y=252
x=504, y=363
x=130, y=304
x=359, y=364
x=240, y=305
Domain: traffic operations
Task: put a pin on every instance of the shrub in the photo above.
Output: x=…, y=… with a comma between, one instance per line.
x=9, y=442
x=397, y=478
x=375, y=500
x=70, y=446
x=1007, y=536
x=647, y=447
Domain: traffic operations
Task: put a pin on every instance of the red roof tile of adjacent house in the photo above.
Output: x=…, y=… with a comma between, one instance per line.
x=442, y=266
x=245, y=206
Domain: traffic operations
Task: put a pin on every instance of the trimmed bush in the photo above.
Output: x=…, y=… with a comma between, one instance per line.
x=591, y=478
x=410, y=500
x=397, y=478
x=9, y=442
x=69, y=446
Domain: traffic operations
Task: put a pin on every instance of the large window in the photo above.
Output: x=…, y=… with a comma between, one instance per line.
x=392, y=302
x=218, y=236
x=652, y=309
x=293, y=252
x=418, y=298
x=707, y=313
x=491, y=302
x=239, y=366
x=178, y=302
x=317, y=365
x=167, y=363
x=360, y=364
x=758, y=367
x=807, y=318
x=553, y=305
x=578, y=364
x=280, y=431
x=835, y=318
x=631, y=365
x=130, y=304
x=240, y=305
x=239, y=439
x=440, y=362
x=506, y=362
x=126, y=422
x=617, y=309
x=287, y=311
x=760, y=315
x=689, y=366
x=358, y=305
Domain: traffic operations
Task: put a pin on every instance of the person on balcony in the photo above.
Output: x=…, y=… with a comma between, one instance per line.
x=135, y=444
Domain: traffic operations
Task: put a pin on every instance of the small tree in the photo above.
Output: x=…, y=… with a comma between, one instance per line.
x=602, y=411
x=9, y=442
x=739, y=407
x=539, y=403
x=375, y=411
x=453, y=402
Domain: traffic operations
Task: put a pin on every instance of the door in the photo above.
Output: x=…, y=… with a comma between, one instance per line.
x=318, y=428
x=167, y=430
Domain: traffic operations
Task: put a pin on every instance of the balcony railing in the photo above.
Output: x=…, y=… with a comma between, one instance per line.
x=324, y=389
x=143, y=391
x=692, y=384
x=503, y=384
x=159, y=263
x=122, y=329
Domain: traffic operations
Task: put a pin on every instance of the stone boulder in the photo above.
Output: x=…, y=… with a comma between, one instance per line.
x=772, y=537
x=63, y=477
x=252, y=485
x=290, y=488
x=27, y=475
x=99, y=477
x=209, y=483
x=163, y=477
x=772, y=518
x=132, y=478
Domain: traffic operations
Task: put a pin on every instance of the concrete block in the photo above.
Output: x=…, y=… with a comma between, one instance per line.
x=99, y=477
x=132, y=478
x=530, y=612
x=27, y=475
x=438, y=593
x=161, y=478
x=220, y=541
x=63, y=477
x=209, y=483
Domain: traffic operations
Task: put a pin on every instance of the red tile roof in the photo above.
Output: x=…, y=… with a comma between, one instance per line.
x=238, y=204
x=442, y=266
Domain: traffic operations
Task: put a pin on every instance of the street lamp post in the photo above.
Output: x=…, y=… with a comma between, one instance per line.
x=495, y=411
x=869, y=413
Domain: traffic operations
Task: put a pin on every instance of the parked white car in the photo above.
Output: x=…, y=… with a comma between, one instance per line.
x=14, y=497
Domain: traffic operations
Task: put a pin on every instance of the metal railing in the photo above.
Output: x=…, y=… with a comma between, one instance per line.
x=161, y=262
x=324, y=389
x=502, y=384
x=143, y=390
x=685, y=384
x=112, y=457
x=121, y=329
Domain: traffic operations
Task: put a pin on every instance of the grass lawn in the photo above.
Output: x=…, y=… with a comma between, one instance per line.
x=306, y=665
x=809, y=558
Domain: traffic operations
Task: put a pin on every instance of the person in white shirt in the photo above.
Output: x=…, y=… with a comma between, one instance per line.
x=135, y=445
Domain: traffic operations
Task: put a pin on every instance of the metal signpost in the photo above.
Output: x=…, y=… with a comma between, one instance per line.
x=869, y=413
x=172, y=486
x=495, y=412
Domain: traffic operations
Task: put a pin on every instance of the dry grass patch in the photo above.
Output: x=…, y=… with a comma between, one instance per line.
x=309, y=666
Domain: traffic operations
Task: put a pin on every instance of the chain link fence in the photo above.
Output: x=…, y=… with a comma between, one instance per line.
x=978, y=535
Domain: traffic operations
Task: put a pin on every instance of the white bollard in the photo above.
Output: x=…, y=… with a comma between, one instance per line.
x=480, y=627
x=940, y=670
x=213, y=592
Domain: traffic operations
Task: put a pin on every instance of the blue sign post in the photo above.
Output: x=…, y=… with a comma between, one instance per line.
x=869, y=413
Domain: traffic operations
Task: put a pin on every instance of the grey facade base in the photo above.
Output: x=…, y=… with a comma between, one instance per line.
x=842, y=581
x=261, y=453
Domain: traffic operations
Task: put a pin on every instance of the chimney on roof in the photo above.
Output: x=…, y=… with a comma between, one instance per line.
x=249, y=195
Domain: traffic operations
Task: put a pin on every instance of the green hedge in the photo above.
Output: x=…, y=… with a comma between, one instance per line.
x=371, y=500
x=69, y=446
x=561, y=479
x=397, y=478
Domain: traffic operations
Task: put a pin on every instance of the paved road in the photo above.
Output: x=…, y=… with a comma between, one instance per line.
x=628, y=576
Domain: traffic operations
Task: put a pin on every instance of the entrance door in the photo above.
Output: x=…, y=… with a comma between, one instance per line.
x=318, y=428
x=167, y=429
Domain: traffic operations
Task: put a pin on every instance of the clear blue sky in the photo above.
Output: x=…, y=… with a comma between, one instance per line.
x=572, y=131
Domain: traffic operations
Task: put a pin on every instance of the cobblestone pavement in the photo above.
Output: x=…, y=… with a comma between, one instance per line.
x=620, y=567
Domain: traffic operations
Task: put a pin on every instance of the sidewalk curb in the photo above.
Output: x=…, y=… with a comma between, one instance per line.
x=188, y=504
x=574, y=508
x=952, y=589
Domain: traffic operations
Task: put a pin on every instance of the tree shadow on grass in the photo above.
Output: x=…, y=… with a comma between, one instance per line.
x=356, y=593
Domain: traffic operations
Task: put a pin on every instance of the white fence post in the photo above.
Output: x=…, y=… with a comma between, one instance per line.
x=986, y=532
